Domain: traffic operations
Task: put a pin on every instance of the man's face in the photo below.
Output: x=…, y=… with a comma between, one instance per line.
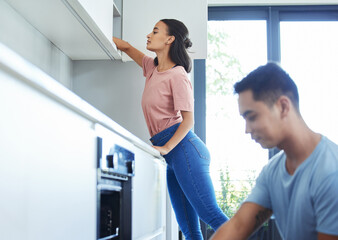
x=261, y=121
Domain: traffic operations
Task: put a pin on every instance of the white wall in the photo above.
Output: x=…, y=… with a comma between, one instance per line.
x=139, y=18
x=23, y=38
x=269, y=2
x=115, y=88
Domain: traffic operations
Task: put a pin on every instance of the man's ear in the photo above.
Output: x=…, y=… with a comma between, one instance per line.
x=284, y=105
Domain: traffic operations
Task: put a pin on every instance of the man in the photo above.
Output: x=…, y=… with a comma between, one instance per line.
x=300, y=183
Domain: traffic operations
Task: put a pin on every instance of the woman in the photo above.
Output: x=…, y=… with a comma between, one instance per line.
x=167, y=104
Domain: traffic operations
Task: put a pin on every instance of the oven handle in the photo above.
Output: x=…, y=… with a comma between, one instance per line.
x=109, y=187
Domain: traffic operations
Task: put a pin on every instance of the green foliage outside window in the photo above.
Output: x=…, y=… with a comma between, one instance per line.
x=223, y=70
x=233, y=192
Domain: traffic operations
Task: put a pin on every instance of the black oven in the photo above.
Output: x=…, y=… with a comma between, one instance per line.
x=114, y=187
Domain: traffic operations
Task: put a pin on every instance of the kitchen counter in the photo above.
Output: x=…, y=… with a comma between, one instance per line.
x=49, y=161
x=12, y=63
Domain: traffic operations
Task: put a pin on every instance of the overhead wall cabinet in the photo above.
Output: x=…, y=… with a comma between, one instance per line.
x=139, y=18
x=82, y=29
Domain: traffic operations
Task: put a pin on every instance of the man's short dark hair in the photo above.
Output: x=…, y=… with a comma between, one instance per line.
x=268, y=83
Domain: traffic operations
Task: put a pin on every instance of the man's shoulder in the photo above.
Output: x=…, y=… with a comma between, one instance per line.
x=329, y=146
x=326, y=154
x=326, y=159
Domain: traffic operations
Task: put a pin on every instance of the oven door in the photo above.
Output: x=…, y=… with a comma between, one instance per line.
x=114, y=201
x=109, y=211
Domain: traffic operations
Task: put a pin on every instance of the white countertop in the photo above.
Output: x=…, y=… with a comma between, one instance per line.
x=23, y=70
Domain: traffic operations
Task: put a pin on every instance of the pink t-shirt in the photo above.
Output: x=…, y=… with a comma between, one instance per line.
x=165, y=95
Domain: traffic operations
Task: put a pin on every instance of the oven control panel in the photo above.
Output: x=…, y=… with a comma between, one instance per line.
x=115, y=160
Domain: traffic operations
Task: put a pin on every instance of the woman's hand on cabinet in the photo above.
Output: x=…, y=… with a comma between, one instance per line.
x=132, y=52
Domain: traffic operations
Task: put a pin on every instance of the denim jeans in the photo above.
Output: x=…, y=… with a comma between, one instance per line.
x=190, y=187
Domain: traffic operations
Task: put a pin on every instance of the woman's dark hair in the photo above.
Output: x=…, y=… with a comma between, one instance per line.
x=268, y=83
x=178, y=52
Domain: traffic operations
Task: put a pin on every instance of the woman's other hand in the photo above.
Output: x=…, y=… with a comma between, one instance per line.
x=163, y=150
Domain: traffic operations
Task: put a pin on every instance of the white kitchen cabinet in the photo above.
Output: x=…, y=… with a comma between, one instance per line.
x=48, y=166
x=149, y=197
x=139, y=18
x=100, y=12
x=82, y=29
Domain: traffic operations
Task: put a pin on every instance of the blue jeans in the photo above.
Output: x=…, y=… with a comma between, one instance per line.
x=190, y=187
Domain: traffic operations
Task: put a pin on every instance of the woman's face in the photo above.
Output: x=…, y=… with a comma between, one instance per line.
x=158, y=39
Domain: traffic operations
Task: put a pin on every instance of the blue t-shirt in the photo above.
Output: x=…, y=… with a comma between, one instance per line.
x=306, y=202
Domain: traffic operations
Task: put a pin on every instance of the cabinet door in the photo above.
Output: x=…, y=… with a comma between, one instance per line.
x=139, y=18
x=82, y=29
x=48, y=167
x=102, y=13
x=149, y=197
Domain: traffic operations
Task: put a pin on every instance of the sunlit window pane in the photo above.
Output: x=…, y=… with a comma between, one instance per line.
x=235, y=48
x=309, y=53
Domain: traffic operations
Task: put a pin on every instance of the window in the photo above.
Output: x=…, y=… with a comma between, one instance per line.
x=303, y=39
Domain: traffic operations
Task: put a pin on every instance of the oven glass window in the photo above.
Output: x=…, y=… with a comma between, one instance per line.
x=110, y=214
